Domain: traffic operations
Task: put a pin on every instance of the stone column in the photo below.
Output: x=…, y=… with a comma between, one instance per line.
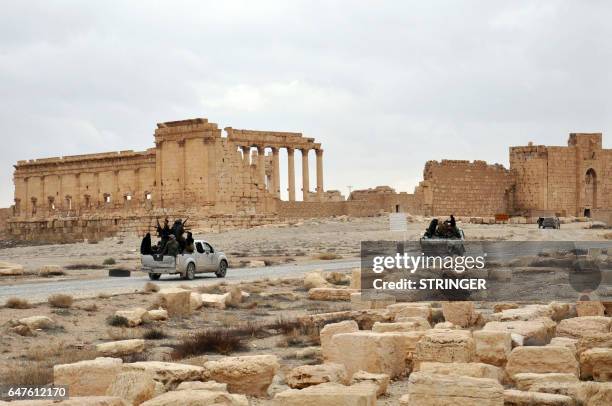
x=305, y=181
x=291, y=174
x=319, y=174
x=261, y=167
x=275, y=173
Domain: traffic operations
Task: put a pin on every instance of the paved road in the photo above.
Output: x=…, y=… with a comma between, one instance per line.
x=39, y=291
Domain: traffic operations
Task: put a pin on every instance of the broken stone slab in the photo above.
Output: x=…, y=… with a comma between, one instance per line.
x=403, y=327
x=134, y=316
x=461, y=314
x=309, y=375
x=473, y=369
x=410, y=310
x=370, y=352
x=176, y=301
x=249, y=375
x=526, y=313
x=578, y=327
x=513, y=397
x=545, y=359
x=426, y=389
x=370, y=301
x=169, y=373
x=526, y=380
x=88, y=378
x=594, y=308
x=380, y=380
x=328, y=331
x=420, y=321
x=535, y=332
x=38, y=322
x=215, y=301
x=155, y=315
x=596, y=363
x=197, y=397
x=329, y=394
x=445, y=346
x=119, y=348
x=198, y=385
x=366, y=318
x=492, y=347
x=133, y=387
x=330, y=294
x=597, y=340
x=564, y=342
x=315, y=279
x=10, y=269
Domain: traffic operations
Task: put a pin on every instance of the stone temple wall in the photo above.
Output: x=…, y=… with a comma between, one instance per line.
x=466, y=188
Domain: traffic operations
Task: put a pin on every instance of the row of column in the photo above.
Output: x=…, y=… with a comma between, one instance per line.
x=275, y=186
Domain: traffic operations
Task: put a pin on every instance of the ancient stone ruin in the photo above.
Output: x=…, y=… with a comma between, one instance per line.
x=232, y=180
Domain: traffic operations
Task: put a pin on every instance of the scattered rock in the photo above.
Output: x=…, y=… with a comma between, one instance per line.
x=578, y=327
x=459, y=313
x=155, y=315
x=50, y=270
x=473, y=369
x=315, y=279
x=433, y=390
x=410, y=310
x=309, y=375
x=134, y=317
x=596, y=363
x=119, y=348
x=88, y=378
x=9, y=269
x=397, y=327
x=38, y=322
x=541, y=360
x=326, y=333
x=22, y=330
x=198, y=385
x=492, y=347
x=380, y=380
x=134, y=387
x=514, y=397
x=330, y=294
x=197, y=398
x=168, y=373
x=445, y=346
x=214, y=300
x=526, y=380
x=176, y=301
x=195, y=300
x=594, y=308
x=534, y=332
x=329, y=394
x=249, y=375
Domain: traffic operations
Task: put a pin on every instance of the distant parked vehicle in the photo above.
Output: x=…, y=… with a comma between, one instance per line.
x=204, y=259
x=549, y=222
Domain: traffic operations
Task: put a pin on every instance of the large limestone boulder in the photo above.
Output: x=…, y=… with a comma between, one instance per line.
x=578, y=327
x=473, y=369
x=329, y=394
x=410, y=310
x=195, y=300
x=492, y=347
x=198, y=385
x=598, y=340
x=134, y=387
x=176, y=301
x=370, y=352
x=10, y=269
x=445, y=346
x=330, y=294
x=347, y=326
x=119, y=348
x=425, y=389
x=214, y=300
x=514, y=397
x=594, y=308
x=197, y=398
x=38, y=322
x=459, y=313
x=169, y=373
x=308, y=375
x=404, y=327
x=535, y=332
x=596, y=363
x=380, y=380
x=155, y=315
x=528, y=380
x=541, y=360
x=88, y=378
x=234, y=296
x=315, y=279
x=249, y=375
x=134, y=316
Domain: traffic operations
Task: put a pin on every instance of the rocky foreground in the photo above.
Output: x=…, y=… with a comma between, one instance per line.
x=447, y=353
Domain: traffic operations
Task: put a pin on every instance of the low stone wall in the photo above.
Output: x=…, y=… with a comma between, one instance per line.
x=355, y=208
x=602, y=215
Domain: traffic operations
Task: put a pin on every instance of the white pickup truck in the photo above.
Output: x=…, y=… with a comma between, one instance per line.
x=204, y=259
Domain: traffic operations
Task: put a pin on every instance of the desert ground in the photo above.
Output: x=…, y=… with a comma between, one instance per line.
x=288, y=308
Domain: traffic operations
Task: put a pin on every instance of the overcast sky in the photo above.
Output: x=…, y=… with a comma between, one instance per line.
x=384, y=86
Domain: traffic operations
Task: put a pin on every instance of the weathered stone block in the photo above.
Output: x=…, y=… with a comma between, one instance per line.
x=309, y=375
x=249, y=375
x=541, y=360
x=326, y=333
x=445, y=346
x=492, y=347
x=425, y=389
x=88, y=378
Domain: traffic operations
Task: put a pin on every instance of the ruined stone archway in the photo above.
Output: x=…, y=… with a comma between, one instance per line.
x=590, y=190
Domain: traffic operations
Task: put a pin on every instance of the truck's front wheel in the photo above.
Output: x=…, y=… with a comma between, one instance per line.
x=154, y=276
x=190, y=272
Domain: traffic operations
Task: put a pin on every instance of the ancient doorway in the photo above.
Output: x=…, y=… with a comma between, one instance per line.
x=590, y=190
